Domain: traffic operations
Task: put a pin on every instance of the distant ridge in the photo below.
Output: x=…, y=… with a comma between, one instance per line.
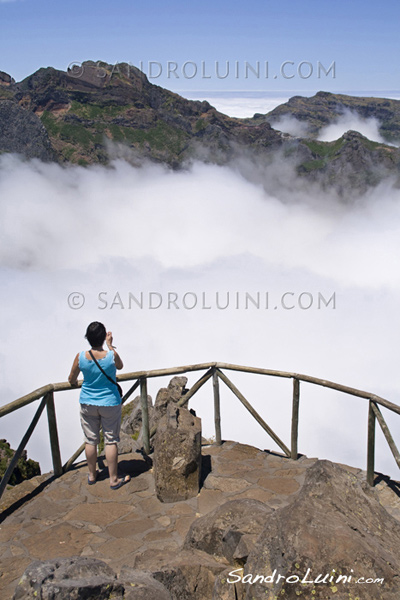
x=324, y=108
x=98, y=112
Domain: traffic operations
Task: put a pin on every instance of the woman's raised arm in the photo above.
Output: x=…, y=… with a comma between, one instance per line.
x=75, y=370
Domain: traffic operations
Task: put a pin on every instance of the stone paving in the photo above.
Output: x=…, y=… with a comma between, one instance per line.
x=130, y=526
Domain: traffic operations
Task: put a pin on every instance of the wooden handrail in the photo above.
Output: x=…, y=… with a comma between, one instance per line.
x=316, y=381
x=65, y=386
x=20, y=402
x=213, y=370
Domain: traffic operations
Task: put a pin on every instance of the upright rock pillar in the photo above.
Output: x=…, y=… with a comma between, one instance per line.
x=177, y=455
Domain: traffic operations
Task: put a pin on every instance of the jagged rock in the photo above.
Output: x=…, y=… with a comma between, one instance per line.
x=177, y=455
x=354, y=163
x=69, y=579
x=225, y=590
x=173, y=393
x=335, y=526
x=132, y=421
x=22, y=132
x=230, y=531
x=190, y=577
x=131, y=436
x=132, y=527
x=140, y=585
x=127, y=444
x=25, y=469
x=6, y=79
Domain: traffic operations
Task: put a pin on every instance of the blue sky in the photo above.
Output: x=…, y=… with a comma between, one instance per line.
x=359, y=37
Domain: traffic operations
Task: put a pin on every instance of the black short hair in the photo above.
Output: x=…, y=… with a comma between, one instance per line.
x=96, y=334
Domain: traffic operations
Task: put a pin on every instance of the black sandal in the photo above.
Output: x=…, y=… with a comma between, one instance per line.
x=126, y=479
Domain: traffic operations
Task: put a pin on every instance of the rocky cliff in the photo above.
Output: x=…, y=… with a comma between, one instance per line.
x=257, y=514
x=217, y=522
x=97, y=112
x=325, y=108
x=25, y=469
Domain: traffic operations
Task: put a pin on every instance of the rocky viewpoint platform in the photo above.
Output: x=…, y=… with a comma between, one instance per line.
x=131, y=526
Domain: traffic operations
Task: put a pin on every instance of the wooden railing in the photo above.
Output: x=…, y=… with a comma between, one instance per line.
x=214, y=371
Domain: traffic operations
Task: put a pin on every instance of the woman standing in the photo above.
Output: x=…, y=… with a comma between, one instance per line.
x=100, y=401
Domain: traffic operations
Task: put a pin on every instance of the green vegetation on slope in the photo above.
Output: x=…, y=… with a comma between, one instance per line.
x=95, y=111
x=81, y=139
x=25, y=469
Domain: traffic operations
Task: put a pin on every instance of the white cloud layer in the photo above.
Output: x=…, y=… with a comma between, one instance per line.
x=291, y=125
x=206, y=230
x=350, y=120
x=237, y=106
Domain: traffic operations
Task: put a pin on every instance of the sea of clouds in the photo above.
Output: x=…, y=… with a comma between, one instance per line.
x=117, y=232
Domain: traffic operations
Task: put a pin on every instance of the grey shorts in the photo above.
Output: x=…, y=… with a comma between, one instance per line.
x=107, y=417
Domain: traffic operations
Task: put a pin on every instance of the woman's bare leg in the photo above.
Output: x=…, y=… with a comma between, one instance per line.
x=91, y=457
x=112, y=462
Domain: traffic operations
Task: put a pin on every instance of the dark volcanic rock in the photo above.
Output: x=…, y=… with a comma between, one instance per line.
x=173, y=393
x=326, y=108
x=97, y=112
x=25, y=469
x=80, y=578
x=132, y=421
x=334, y=527
x=350, y=163
x=6, y=79
x=230, y=531
x=225, y=590
x=139, y=585
x=191, y=576
x=177, y=455
x=69, y=579
x=128, y=444
x=23, y=133
x=131, y=435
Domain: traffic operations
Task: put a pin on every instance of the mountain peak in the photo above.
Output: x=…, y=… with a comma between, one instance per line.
x=5, y=79
x=95, y=112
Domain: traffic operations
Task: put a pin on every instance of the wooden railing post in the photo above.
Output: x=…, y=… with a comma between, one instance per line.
x=253, y=412
x=53, y=432
x=295, y=418
x=73, y=458
x=6, y=477
x=217, y=409
x=145, y=415
x=371, y=446
x=386, y=433
x=195, y=388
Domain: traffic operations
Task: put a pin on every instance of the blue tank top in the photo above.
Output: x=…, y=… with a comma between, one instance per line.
x=96, y=389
